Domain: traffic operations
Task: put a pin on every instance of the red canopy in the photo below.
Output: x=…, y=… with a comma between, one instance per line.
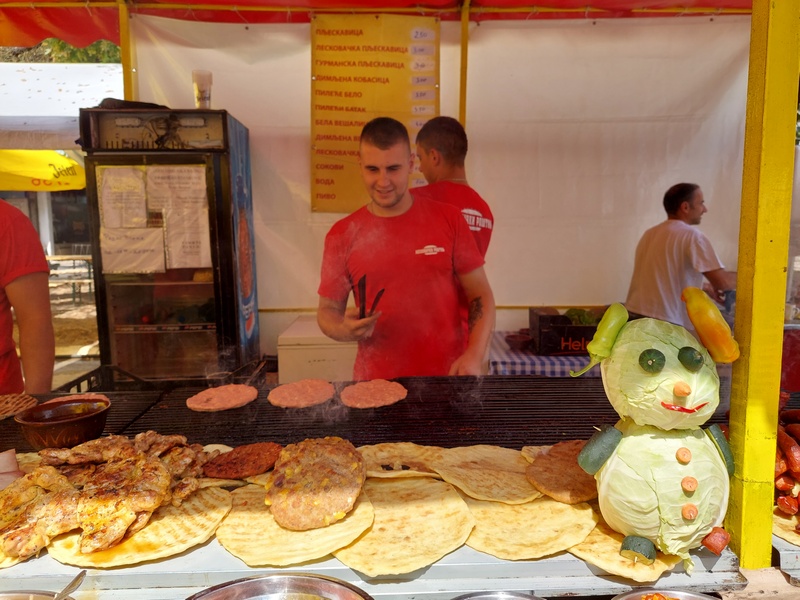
x=82, y=23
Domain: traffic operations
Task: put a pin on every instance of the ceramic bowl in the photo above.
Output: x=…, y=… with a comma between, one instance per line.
x=64, y=423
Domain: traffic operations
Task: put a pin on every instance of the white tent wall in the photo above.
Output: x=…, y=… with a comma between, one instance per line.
x=576, y=130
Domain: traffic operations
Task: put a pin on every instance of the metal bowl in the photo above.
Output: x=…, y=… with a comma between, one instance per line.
x=297, y=586
x=497, y=596
x=64, y=423
x=638, y=593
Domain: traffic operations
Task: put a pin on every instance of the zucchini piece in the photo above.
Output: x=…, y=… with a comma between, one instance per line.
x=652, y=360
x=691, y=358
x=721, y=442
x=638, y=549
x=599, y=447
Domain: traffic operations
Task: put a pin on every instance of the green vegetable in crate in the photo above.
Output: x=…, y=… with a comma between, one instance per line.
x=662, y=481
x=581, y=316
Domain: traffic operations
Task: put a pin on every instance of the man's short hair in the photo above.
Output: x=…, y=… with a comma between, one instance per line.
x=677, y=195
x=384, y=132
x=447, y=136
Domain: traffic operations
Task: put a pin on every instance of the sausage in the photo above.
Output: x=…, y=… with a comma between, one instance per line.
x=791, y=415
x=780, y=463
x=790, y=448
x=784, y=482
x=793, y=429
x=788, y=505
x=717, y=540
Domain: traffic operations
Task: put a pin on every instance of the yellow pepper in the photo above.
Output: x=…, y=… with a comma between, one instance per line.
x=713, y=330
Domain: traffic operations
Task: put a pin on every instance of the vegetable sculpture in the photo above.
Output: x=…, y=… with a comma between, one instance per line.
x=663, y=482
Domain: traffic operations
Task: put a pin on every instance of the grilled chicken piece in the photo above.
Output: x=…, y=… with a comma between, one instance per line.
x=112, y=447
x=49, y=515
x=183, y=489
x=116, y=495
x=155, y=444
x=26, y=489
x=78, y=475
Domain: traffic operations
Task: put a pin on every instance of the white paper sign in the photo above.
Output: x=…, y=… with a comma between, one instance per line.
x=122, y=197
x=132, y=250
x=188, y=241
x=176, y=186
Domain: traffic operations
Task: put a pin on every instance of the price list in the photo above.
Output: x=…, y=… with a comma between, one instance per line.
x=365, y=66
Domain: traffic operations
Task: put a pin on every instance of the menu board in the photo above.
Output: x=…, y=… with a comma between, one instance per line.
x=365, y=66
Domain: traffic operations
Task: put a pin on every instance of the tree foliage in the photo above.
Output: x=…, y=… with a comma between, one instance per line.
x=53, y=50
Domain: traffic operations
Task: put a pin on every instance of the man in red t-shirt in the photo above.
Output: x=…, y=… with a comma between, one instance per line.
x=421, y=252
x=24, y=275
x=442, y=150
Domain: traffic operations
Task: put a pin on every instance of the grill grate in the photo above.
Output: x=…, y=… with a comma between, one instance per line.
x=509, y=411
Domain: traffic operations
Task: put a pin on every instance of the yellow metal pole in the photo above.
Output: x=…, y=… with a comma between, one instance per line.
x=462, y=87
x=761, y=286
x=127, y=54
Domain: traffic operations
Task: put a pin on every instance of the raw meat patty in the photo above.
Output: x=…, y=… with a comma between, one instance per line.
x=243, y=461
x=223, y=397
x=299, y=394
x=315, y=483
x=371, y=394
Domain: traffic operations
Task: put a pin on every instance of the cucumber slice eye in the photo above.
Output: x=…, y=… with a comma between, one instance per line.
x=638, y=549
x=691, y=358
x=652, y=360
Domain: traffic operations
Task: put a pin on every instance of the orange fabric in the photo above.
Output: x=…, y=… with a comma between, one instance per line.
x=81, y=26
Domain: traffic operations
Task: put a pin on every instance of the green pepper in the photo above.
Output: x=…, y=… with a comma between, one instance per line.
x=607, y=331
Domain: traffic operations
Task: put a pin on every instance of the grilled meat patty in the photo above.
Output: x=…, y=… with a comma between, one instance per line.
x=315, y=483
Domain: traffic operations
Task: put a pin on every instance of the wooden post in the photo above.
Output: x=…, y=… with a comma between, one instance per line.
x=761, y=286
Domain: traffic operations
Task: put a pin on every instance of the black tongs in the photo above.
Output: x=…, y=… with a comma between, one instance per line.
x=361, y=294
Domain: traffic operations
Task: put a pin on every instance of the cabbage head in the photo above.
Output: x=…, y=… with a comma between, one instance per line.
x=647, y=395
x=640, y=493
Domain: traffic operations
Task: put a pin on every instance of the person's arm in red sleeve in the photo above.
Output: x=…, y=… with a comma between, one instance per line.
x=30, y=297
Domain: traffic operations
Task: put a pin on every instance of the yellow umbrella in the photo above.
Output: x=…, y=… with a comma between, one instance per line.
x=39, y=170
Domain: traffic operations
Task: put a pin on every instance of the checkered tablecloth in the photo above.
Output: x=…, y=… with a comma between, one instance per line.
x=505, y=361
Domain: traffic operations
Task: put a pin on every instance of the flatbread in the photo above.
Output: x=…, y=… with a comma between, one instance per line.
x=11, y=404
x=28, y=461
x=601, y=549
x=372, y=394
x=487, y=473
x=418, y=520
x=170, y=531
x=527, y=531
x=250, y=532
x=400, y=459
x=223, y=397
x=91, y=396
x=301, y=394
x=556, y=473
x=531, y=452
x=784, y=525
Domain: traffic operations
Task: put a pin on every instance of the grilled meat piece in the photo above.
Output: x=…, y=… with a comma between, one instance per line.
x=49, y=515
x=26, y=489
x=102, y=449
x=155, y=444
x=111, y=502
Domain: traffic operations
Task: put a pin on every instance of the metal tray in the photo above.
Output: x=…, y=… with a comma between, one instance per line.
x=638, y=593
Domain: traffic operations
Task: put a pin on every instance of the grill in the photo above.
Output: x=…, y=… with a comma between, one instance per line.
x=440, y=411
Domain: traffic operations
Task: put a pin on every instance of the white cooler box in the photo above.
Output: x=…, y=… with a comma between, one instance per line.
x=304, y=352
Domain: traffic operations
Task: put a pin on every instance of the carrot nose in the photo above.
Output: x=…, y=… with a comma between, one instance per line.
x=681, y=389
